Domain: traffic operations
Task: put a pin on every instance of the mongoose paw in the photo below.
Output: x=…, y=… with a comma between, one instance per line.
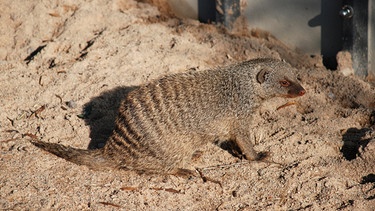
x=208, y=179
x=185, y=173
x=262, y=156
x=189, y=174
x=196, y=155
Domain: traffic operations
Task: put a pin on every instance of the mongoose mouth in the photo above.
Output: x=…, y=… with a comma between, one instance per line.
x=286, y=105
x=297, y=91
x=294, y=95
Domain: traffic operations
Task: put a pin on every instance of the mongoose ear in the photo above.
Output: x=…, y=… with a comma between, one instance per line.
x=261, y=76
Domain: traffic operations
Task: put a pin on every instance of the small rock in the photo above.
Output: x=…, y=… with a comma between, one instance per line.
x=345, y=63
x=71, y=104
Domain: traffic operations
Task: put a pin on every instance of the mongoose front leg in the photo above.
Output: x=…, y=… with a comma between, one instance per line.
x=242, y=138
x=244, y=143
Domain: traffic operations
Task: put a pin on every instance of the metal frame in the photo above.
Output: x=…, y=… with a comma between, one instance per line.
x=219, y=11
x=355, y=34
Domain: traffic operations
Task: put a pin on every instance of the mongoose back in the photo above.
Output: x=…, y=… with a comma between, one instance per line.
x=161, y=124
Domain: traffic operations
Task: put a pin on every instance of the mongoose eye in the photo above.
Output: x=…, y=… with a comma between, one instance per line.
x=285, y=83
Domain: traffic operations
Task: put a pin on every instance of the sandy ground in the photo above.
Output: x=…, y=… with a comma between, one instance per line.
x=64, y=67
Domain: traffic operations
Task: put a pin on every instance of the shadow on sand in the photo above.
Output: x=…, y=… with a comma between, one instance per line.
x=100, y=114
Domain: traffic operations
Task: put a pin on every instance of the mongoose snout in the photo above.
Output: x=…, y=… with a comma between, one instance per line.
x=161, y=124
x=295, y=90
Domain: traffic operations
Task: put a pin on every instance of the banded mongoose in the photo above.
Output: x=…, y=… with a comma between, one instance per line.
x=161, y=124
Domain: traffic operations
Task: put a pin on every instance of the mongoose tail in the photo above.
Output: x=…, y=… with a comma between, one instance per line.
x=94, y=159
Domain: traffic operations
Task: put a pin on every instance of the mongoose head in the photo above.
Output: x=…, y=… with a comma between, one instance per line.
x=278, y=80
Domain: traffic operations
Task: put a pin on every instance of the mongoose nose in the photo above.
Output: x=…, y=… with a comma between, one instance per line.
x=302, y=92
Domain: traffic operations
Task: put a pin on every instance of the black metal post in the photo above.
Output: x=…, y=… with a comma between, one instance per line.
x=219, y=11
x=355, y=33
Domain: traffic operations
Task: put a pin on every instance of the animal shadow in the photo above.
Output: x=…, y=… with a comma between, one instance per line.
x=100, y=114
x=353, y=139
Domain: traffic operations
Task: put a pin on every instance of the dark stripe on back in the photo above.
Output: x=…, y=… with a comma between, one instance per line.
x=168, y=95
x=119, y=146
x=150, y=110
x=128, y=136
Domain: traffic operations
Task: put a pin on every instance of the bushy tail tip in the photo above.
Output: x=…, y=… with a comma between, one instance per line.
x=94, y=159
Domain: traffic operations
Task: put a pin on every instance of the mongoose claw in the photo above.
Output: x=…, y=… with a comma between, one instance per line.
x=185, y=173
x=262, y=156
